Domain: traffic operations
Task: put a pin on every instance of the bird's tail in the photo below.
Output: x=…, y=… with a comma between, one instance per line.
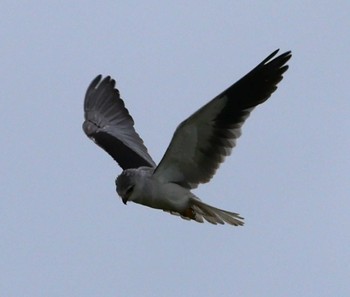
x=213, y=215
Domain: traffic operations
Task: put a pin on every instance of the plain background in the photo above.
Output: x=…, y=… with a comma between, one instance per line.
x=63, y=229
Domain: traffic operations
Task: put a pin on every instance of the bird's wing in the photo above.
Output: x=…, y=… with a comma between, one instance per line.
x=201, y=142
x=109, y=124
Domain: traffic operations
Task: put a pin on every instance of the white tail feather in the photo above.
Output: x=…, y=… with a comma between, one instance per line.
x=214, y=215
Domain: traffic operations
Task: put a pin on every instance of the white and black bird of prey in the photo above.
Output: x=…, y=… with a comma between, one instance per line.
x=198, y=147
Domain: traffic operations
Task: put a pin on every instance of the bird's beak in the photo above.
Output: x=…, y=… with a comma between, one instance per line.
x=125, y=200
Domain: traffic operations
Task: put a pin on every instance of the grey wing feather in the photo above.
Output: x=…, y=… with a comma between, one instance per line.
x=109, y=124
x=201, y=142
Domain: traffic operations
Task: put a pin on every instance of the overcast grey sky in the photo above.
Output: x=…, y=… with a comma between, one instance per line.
x=63, y=229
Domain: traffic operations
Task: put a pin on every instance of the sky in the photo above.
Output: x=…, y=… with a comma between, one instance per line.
x=65, y=232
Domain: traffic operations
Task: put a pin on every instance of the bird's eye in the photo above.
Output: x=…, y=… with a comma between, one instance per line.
x=129, y=191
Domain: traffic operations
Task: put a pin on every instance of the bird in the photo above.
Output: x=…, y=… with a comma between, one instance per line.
x=199, y=144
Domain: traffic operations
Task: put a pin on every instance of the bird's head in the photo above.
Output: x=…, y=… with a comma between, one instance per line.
x=125, y=184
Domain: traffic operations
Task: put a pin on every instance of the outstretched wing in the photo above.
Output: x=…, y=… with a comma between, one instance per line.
x=109, y=125
x=201, y=142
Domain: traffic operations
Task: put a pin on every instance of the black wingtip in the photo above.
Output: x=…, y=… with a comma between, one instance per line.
x=100, y=81
x=285, y=56
x=274, y=53
x=94, y=83
x=96, y=80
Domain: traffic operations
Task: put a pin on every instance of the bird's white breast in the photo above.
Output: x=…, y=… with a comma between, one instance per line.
x=151, y=192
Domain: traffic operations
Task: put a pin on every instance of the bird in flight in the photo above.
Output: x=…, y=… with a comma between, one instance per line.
x=198, y=147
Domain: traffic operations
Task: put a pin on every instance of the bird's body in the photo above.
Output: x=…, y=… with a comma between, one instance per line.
x=199, y=144
x=149, y=191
